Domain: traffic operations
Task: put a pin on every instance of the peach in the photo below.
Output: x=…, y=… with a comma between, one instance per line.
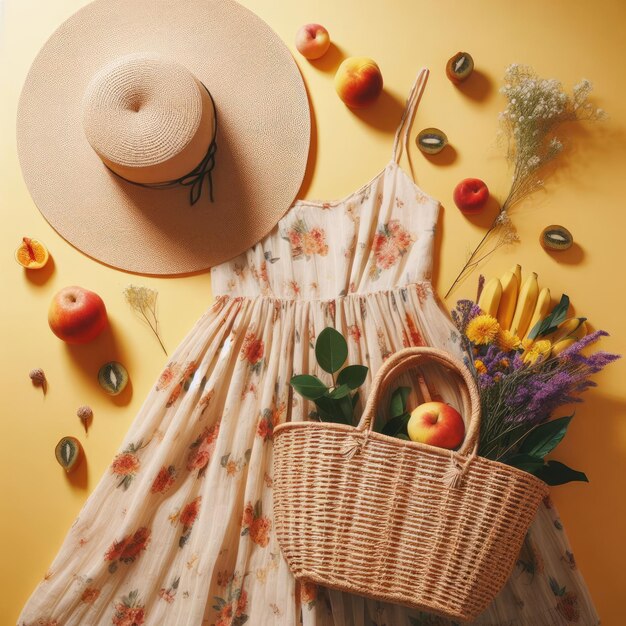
x=358, y=81
x=312, y=41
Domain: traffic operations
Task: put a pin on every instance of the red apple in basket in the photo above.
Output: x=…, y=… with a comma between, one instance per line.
x=436, y=424
x=77, y=315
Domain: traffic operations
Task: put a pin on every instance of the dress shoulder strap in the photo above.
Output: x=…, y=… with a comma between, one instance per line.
x=412, y=103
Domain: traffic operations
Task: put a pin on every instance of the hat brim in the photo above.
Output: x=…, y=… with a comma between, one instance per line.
x=262, y=142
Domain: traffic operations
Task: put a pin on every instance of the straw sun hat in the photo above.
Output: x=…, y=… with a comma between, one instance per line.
x=163, y=136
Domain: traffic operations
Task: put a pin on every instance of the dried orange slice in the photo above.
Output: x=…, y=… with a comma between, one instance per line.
x=32, y=254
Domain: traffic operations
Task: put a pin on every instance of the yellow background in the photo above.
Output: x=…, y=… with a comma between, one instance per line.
x=568, y=40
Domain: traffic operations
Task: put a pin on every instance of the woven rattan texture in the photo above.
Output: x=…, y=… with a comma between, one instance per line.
x=263, y=133
x=384, y=524
x=140, y=110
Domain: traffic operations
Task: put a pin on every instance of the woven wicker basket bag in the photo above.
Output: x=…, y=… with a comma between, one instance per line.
x=400, y=521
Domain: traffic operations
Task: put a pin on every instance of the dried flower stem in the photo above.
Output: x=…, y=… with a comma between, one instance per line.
x=144, y=301
x=536, y=108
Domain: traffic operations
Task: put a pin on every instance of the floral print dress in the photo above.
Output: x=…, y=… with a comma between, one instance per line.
x=179, y=531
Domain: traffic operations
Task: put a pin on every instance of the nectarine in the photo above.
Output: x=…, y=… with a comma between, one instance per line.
x=358, y=81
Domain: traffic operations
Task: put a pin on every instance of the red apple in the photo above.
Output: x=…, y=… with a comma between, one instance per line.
x=77, y=315
x=437, y=424
x=312, y=41
x=358, y=81
x=470, y=195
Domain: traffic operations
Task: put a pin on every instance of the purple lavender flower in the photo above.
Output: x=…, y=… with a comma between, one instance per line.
x=583, y=343
x=535, y=400
x=464, y=312
x=481, y=284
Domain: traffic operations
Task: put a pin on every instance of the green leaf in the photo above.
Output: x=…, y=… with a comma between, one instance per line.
x=549, y=324
x=355, y=400
x=331, y=350
x=330, y=411
x=403, y=436
x=554, y=473
x=339, y=392
x=397, y=425
x=526, y=462
x=398, y=401
x=310, y=387
x=345, y=406
x=543, y=439
x=352, y=375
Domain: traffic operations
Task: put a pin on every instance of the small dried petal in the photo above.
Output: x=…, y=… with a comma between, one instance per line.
x=39, y=378
x=85, y=414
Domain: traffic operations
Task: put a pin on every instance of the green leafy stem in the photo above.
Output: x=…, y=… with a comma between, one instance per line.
x=539, y=442
x=335, y=403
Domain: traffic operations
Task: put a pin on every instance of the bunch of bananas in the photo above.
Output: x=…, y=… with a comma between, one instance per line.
x=520, y=306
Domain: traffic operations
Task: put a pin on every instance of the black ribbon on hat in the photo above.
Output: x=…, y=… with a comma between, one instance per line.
x=194, y=179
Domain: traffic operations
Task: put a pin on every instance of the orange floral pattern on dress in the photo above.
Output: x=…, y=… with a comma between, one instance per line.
x=391, y=242
x=308, y=594
x=164, y=480
x=306, y=242
x=253, y=351
x=205, y=400
x=201, y=450
x=270, y=418
x=167, y=376
x=90, y=595
x=354, y=332
x=130, y=611
x=128, y=549
x=411, y=336
x=183, y=383
x=233, y=466
x=567, y=602
x=261, y=276
x=187, y=518
x=169, y=594
x=255, y=524
x=423, y=292
x=231, y=609
x=126, y=464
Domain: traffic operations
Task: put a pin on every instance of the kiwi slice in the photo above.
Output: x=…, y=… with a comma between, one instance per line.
x=459, y=67
x=431, y=140
x=113, y=377
x=68, y=453
x=556, y=237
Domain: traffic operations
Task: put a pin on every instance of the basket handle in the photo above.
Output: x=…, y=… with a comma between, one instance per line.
x=407, y=358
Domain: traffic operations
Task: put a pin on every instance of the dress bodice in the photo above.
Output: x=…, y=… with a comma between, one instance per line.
x=377, y=238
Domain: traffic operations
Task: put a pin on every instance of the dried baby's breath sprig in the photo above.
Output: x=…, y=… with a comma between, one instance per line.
x=535, y=109
x=144, y=302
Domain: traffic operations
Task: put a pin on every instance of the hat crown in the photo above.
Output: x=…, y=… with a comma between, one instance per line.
x=148, y=118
